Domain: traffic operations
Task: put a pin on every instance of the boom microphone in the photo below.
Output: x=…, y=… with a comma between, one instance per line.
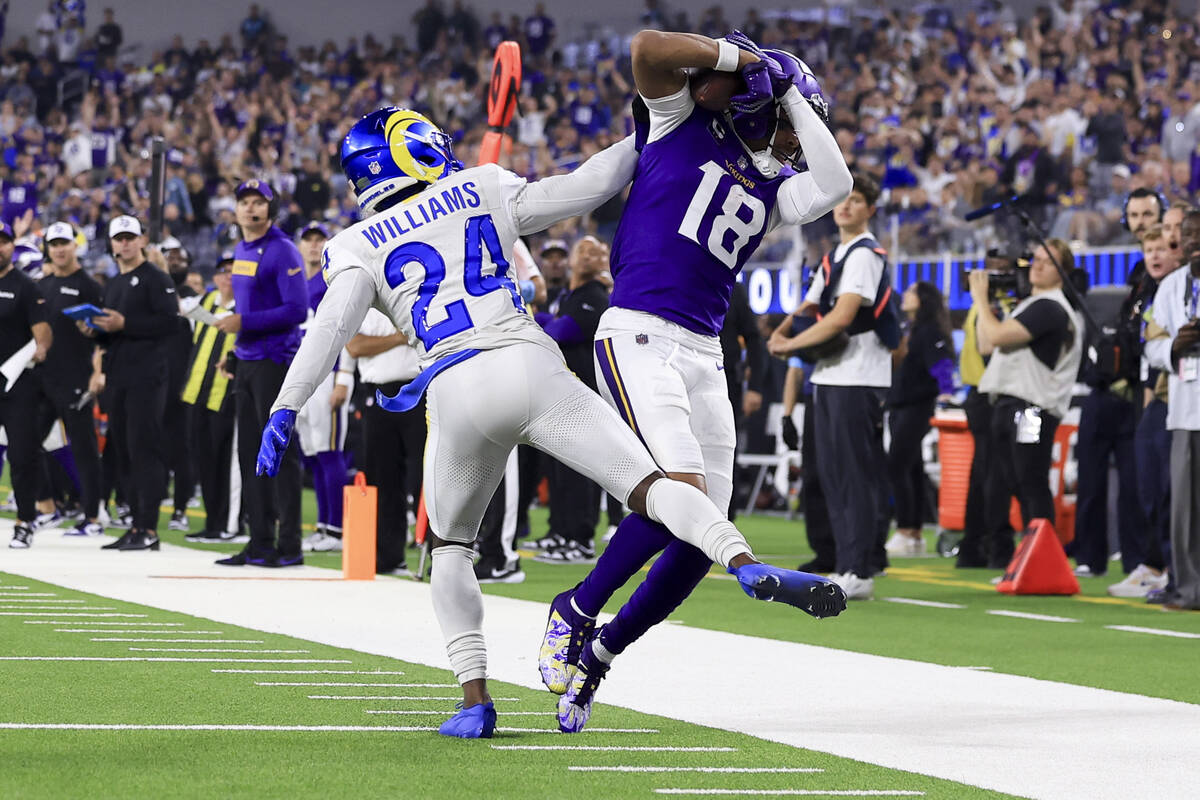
x=987, y=211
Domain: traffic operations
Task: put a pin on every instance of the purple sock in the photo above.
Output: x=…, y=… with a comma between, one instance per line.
x=66, y=460
x=331, y=473
x=672, y=578
x=637, y=539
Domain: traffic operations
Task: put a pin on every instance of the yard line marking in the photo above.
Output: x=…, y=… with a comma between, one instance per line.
x=13, y=587
x=57, y=608
x=60, y=614
x=613, y=749
x=398, y=697
x=1024, y=615
x=191, y=641
x=440, y=712
x=177, y=660
x=22, y=599
x=909, y=601
x=387, y=685
x=28, y=594
x=1155, y=631
x=586, y=730
x=797, y=792
x=135, y=630
x=738, y=770
x=205, y=650
x=65, y=622
x=304, y=672
x=70, y=726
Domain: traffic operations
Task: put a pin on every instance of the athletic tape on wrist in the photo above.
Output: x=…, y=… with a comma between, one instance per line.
x=728, y=56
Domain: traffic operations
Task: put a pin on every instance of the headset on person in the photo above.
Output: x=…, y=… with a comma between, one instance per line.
x=1163, y=204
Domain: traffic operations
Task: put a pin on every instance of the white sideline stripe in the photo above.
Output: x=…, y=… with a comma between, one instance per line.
x=198, y=660
x=387, y=685
x=65, y=622
x=21, y=599
x=27, y=594
x=996, y=612
x=304, y=672
x=60, y=614
x=909, y=601
x=71, y=726
x=57, y=608
x=194, y=641
x=397, y=697
x=585, y=730
x=797, y=792
x=613, y=749
x=735, y=770
x=13, y=587
x=205, y=650
x=1155, y=631
x=110, y=630
x=438, y=713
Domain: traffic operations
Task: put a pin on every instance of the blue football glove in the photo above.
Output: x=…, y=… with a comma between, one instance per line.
x=758, y=89
x=275, y=438
x=528, y=290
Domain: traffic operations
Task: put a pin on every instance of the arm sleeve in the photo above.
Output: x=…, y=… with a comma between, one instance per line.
x=338, y=318
x=293, y=308
x=809, y=195
x=668, y=113
x=161, y=311
x=539, y=205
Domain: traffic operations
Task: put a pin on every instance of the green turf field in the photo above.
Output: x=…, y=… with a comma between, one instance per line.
x=924, y=610
x=369, y=761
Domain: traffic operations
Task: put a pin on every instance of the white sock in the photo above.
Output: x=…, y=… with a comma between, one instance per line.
x=458, y=605
x=601, y=652
x=691, y=516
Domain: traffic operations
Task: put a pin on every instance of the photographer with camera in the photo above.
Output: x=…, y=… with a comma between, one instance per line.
x=1176, y=310
x=1004, y=285
x=1035, y=355
x=1108, y=415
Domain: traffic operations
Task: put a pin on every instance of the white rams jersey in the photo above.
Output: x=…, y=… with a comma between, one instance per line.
x=439, y=266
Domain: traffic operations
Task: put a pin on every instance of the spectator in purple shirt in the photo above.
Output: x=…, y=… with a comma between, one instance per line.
x=271, y=298
x=539, y=30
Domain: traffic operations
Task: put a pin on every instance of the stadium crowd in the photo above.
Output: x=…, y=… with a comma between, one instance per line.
x=1079, y=109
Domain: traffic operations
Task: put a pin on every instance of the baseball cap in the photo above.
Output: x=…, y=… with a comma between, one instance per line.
x=225, y=262
x=554, y=244
x=170, y=243
x=255, y=185
x=314, y=227
x=124, y=224
x=6, y=231
x=1122, y=170
x=60, y=231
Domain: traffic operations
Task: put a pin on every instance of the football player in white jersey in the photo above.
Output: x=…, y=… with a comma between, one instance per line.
x=434, y=255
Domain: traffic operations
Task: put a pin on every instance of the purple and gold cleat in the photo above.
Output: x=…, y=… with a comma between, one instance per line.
x=575, y=707
x=566, y=632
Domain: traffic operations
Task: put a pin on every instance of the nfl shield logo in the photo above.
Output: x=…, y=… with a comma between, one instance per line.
x=374, y=168
x=642, y=338
x=742, y=163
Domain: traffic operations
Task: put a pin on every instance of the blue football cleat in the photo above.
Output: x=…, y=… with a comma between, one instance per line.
x=566, y=632
x=816, y=596
x=475, y=722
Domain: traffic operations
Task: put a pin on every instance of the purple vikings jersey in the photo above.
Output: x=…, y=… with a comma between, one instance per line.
x=697, y=210
x=316, y=290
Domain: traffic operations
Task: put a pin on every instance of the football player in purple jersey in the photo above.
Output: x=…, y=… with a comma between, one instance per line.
x=708, y=186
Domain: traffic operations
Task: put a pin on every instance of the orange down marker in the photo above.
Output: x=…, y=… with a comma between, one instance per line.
x=359, y=509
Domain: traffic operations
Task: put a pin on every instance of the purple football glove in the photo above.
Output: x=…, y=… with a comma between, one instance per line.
x=743, y=42
x=758, y=88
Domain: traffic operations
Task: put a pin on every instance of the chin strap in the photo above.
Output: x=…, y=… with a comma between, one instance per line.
x=763, y=160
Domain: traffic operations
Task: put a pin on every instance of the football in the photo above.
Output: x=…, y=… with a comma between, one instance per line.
x=712, y=89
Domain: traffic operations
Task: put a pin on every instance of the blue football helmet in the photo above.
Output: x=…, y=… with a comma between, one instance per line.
x=391, y=150
x=765, y=122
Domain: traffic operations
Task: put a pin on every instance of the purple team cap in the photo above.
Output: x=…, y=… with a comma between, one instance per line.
x=314, y=227
x=255, y=185
x=6, y=231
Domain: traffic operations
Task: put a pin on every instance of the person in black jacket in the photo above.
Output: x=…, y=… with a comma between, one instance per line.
x=67, y=379
x=925, y=375
x=22, y=317
x=135, y=330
